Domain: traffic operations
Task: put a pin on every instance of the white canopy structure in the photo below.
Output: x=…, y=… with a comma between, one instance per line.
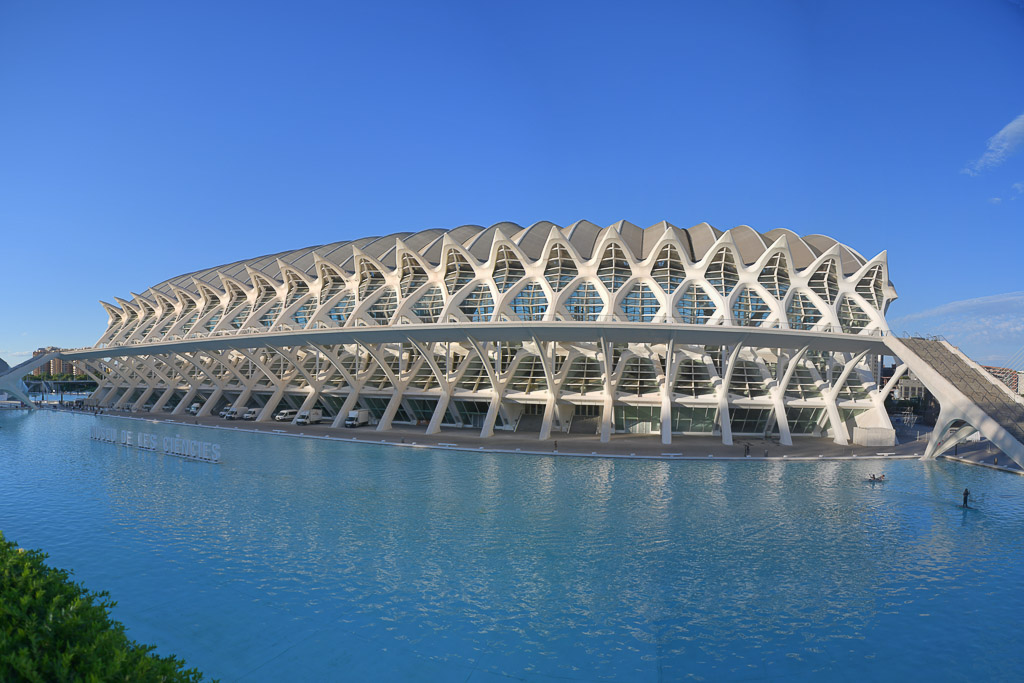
x=544, y=329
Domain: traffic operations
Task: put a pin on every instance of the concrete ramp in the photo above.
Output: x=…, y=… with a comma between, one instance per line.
x=970, y=399
x=590, y=426
x=530, y=424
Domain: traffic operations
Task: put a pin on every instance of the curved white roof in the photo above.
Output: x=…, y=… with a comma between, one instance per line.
x=476, y=239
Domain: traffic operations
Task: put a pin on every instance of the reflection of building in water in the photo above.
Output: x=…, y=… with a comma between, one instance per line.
x=543, y=330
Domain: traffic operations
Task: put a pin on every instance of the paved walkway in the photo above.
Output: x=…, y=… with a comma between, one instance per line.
x=620, y=445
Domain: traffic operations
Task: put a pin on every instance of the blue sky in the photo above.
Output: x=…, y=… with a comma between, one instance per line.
x=139, y=141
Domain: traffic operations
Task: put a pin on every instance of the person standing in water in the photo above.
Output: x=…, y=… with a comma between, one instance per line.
x=967, y=494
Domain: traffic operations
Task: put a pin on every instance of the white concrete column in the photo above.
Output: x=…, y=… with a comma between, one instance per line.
x=779, y=395
x=724, y=420
x=311, y=396
x=184, y=403
x=209, y=404
x=174, y=379
x=442, y=407
x=348, y=404
x=835, y=421
x=779, y=404
x=549, y=417
x=152, y=384
x=116, y=377
x=243, y=399
x=96, y=396
x=840, y=435
x=666, y=418
x=145, y=397
x=546, y=353
x=606, y=417
x=272, y=403
x=878, y=397
x=162, y=401
x=492, y=415
x=481, y=352
x=669, y=368
x=130, y=375
x=112, y=395
x=609, y=392
x=393, y=405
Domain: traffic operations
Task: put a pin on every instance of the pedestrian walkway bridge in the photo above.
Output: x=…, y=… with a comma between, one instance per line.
x=970, y=398
x=10, y=378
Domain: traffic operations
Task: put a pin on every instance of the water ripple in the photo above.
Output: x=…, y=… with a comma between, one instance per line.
x=297, y=558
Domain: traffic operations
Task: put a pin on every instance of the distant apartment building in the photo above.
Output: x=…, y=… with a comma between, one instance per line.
x=910, y=388
x=1009, y=377
x=55, y=366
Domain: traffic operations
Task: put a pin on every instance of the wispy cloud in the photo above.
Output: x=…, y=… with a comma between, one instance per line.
x=1000, y=147
x=1007, y=300
x=1017, y=190
x=988, y=328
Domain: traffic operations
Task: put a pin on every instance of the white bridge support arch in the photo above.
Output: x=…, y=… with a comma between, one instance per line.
x=10, y=381
x=959, y=416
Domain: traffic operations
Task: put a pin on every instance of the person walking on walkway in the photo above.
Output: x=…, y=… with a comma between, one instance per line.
x=967, y=494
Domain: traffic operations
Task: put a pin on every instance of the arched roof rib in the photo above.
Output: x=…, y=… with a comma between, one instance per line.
x=477, y=240
x=749, y=243
x=531, y=241
x=632, y=236
x=702, y=238
x=803, y=255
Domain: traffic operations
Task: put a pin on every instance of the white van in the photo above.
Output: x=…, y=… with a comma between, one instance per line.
x=357, y=418
x=286, y=415
x=194, y=408
x=251, y=414
x=309, y=417
x=232, y=414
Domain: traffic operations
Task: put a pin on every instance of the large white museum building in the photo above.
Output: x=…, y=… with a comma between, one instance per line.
x=543, y=330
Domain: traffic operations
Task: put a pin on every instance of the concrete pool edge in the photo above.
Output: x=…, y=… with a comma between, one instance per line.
x=498, y=450
x=508, y=451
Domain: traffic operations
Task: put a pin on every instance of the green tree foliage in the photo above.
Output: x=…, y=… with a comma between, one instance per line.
x=53, y=629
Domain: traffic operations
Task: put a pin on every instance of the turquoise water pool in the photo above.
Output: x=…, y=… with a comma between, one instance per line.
x=298, y=559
